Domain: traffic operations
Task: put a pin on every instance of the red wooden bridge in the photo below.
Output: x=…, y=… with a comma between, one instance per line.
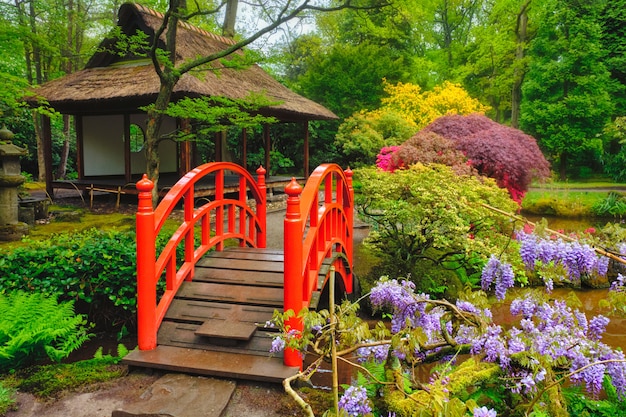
x=204, y=300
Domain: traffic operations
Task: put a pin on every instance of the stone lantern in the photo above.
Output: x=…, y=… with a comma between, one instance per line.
x=10, y=179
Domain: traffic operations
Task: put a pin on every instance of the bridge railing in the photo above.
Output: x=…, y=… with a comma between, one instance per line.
x=318, y=229
x=213, y=223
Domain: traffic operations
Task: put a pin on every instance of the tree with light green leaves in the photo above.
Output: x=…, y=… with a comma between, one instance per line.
x=566, y=97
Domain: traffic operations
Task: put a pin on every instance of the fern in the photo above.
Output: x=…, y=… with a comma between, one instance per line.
x=33, y=326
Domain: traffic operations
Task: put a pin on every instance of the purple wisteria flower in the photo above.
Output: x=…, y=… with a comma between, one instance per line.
x=597, y=326
x=577, y=259
x=560, y=334
x=378, y=354
x=278, y=345
x=618, y=285
x=499, y=273
x=484, y=412
x=354, y=401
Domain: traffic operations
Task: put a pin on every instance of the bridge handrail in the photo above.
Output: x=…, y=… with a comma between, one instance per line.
x=316, y=230
x=250, y=231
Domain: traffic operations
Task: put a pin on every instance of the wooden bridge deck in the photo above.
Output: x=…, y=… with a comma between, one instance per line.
x=215, y=325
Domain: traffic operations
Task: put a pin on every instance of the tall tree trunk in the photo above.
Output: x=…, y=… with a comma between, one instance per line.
x=230, y=18
x=41, y=158
x=519, y=70
x=168, y=79
x=68, y=67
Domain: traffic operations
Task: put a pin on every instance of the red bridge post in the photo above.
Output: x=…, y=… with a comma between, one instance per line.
x=293, y=297
x=262, y=209
x=146, y=256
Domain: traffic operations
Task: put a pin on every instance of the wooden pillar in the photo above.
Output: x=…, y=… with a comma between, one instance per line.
x=80, y=146
x=146, y=258
x=46, y=131
x=268, y=146
x=127, y=139
x=306, y=149
x=293, y=268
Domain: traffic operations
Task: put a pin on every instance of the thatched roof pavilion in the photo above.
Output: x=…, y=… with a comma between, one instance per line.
x=114, y=85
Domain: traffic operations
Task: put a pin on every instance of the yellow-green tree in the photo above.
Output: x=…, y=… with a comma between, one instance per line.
x=405, y=110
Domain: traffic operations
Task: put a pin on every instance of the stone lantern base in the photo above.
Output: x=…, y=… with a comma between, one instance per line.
x=13, y=232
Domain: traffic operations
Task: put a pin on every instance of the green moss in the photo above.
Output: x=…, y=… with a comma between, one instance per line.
x=49, y=381
x=435, y=401
x=7, y=399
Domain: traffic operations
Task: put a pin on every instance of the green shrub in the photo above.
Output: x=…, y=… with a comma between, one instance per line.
x=427, y=218
x=94, y=268
x=33, y=326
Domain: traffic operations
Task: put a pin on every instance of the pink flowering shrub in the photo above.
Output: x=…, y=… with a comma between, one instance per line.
x=384, y=159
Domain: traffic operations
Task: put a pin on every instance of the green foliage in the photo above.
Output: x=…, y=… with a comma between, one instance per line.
x=33, y=326
x=581, y=405
x=614, y=136
x=217, y=113
x=279, y=163
x=95, y=268
x=614, y=205
x=566, y=98
x=361, y=136
x=427, y=215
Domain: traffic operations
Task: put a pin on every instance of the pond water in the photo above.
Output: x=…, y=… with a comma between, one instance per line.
x=569, y=225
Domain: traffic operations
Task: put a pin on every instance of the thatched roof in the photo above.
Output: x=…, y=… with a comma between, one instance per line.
x=110, y=84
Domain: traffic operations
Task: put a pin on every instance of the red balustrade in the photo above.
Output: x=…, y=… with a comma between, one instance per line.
x=316, y=230
x=244, y=223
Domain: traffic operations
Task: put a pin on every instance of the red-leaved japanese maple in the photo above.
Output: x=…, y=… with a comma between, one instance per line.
x=508, y=155
x=431, y=148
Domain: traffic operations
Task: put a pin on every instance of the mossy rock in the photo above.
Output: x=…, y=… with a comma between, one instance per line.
x=422, y=403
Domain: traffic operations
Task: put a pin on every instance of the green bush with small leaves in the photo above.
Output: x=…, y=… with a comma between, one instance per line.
x=34, y=326
x=426, y=218
x=94, y=268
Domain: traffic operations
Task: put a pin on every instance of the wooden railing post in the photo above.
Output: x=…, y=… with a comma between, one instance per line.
x=146, y=257
x=261, y=209
x=293, y=280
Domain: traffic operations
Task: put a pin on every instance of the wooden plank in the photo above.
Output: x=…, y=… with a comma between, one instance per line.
x=200, y=311
x=226, y=329
x=184, y=335
x=243, y=264
x=247, y=253
x=201, y=362
x=259, y=278
x=231, y=293
x=254, y=250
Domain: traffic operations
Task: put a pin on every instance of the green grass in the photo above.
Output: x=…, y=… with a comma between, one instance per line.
x=568, y=199
x=562, y=203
